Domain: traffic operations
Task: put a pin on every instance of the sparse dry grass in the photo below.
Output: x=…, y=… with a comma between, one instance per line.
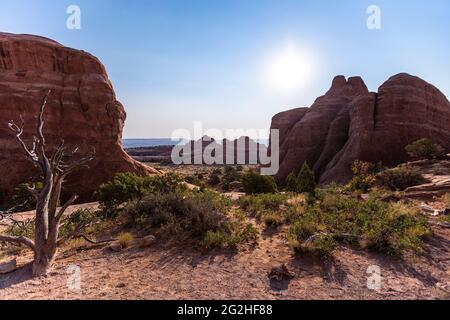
x=125, y=239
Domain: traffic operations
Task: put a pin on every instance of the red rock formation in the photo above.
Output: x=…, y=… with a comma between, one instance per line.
x=82, y=110
x=349, y=123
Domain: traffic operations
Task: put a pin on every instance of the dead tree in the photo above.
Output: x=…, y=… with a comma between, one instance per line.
x=54, y=170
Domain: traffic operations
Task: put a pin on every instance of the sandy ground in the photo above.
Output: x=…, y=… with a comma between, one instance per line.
x=175, y=272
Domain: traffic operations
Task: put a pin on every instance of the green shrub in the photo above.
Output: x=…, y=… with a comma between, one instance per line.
x=390, y=228
x=127, y=186
x=306, y=180
x=399, y=179
x=80, y=220
x=230, y=175
x=203, y=215
x=292, y=183
x=425, y=149
x=214, y=179
x=242, y=234
x=303, y=228
x=257, y=204
x=322, y=246
x=363, y=176
x=23, y=199
x=254, y=183
x=272, y=219
x=192, y=179
x=22, y=229
x=214, y=239
x=400, y=227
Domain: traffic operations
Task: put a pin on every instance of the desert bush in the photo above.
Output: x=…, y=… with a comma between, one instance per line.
x=125, y=239
x=203, y=215
x=257, y=204
x=306, y=180
x=292, y=183
x=254, y=183
x=363, y=176
x=401, y=227
x=230, y=175
x=272, y=219
x=193, y=179
x=425, y=149
x=389, y=228
x=81, y=221
x=214, y=239
x=242, y=233
x=22, y=198
x=399, y=179
x=127, y=186
x=22, y=229
x=323, y=246
x=214, y=179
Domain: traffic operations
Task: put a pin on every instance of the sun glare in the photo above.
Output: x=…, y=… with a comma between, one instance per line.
x=288, y=70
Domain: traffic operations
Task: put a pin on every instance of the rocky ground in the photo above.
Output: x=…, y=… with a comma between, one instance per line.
x=172, y=271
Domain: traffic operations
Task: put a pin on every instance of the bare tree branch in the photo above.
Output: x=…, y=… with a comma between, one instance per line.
x=19, y=240
x=65, y=206
x=40, y=126
x=18, y=131
x=58, y=155
x=13, y=209
x=66, y=170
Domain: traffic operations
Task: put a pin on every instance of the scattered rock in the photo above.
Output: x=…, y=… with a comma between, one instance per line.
x=121, y=285
x=432, y=211
x=365, y=196
x=437, y=188
x=147, y=241
x=280, y=273
x=444, y=224
x=8, y=267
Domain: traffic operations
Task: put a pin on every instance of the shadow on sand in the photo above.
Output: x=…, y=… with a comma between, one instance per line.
x=20, y=275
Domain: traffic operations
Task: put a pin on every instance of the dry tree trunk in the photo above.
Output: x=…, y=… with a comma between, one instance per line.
x=54, y=170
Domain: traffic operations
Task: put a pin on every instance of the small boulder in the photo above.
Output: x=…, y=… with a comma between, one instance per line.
x=8, y=267
x=147, y=241
x=280, y=273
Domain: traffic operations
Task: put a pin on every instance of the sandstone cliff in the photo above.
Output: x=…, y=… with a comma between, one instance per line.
x=350, y=123
x=82, y=110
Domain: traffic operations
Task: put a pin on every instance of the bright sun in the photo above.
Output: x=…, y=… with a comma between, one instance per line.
x=288, y=70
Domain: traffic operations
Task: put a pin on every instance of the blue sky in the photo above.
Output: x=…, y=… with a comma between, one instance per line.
x=176, y=61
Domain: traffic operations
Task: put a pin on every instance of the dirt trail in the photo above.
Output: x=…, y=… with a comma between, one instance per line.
x=175, y=272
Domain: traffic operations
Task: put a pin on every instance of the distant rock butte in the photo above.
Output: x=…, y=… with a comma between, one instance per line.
x=243, y=150
x=82, y=110
x=350, y=123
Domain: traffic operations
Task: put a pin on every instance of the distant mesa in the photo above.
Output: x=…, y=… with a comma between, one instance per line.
x=350, y=123
x=82, y=109
x=243, y=150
